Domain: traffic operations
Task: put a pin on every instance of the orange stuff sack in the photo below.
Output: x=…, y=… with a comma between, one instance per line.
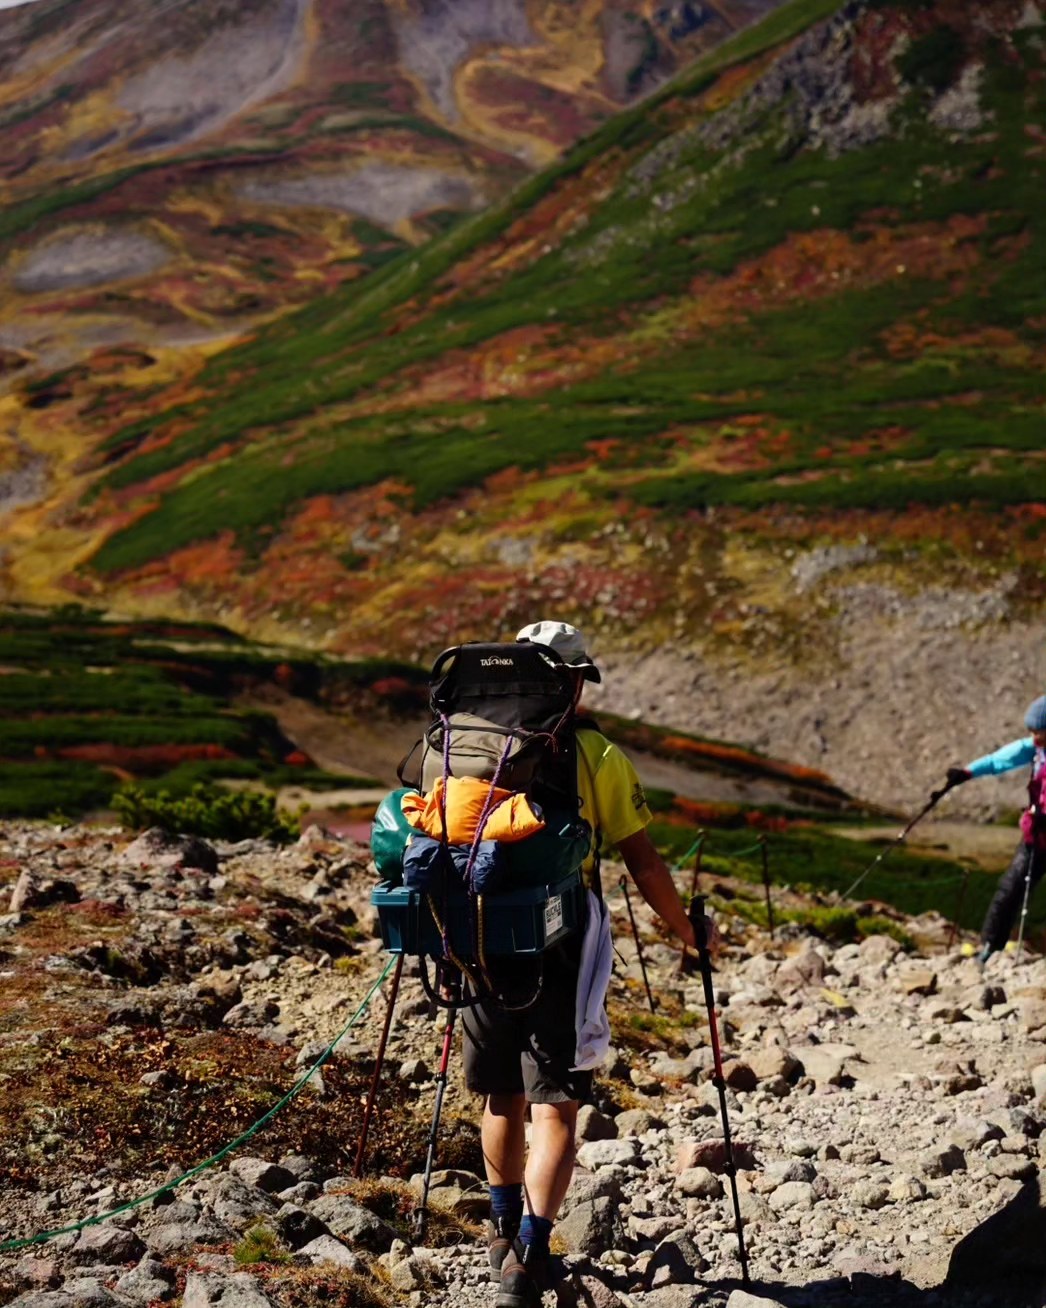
x=511, y=819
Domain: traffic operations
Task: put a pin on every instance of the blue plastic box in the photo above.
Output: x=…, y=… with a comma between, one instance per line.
x=526, y=921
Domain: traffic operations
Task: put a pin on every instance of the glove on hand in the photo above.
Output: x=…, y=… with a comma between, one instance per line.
x=956, y=776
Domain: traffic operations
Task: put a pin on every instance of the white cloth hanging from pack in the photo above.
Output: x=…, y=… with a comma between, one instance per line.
x=591, y=1024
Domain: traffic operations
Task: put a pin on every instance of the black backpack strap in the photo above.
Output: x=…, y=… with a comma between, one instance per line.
x=597, y=834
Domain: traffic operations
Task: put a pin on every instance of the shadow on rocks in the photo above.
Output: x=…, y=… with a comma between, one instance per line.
x=862, y=1290
x=999, y=1264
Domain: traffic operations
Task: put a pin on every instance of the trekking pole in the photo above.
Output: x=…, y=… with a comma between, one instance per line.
x=623, y=883
x=357, y=1170
x=766, y=884
x=954, y=929
x=934, y=799
x=696, y=875
x=695, y=879
x=1024, y=909
x=697, y=921
x=452, y=983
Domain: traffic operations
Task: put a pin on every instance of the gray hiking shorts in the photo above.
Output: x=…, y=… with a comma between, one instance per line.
x=530, y=1051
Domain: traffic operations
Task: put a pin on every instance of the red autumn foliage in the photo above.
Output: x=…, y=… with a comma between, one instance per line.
x=141, y=758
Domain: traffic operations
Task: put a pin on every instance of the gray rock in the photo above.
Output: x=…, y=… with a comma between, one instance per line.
x=700, y=1183
x=608, y=1153
x=106, y=1244
x=586, y=1187
x=594, y=1125
x=1013, y=1167
x=942, y=1161
x=267, y=1176
x=826, y=1064
x=592, y=1227
x=675, y=1296
x=403, y=1268
x=414, y=1071
x=637, y=1121
x=591, y=1291
x=869, y=1194
x=157, y=848
x=353, y=1223
x=302, y=1193
x=214, y=1291
x=655, y=1229
x=790, y=1169
x=236, y=1203
x=741, y=1298
x=328, y=1249
x=798, y=1195
x=754, y=1208
x=302, y=1168
x=258, y=1013
x=173, y=1237
x=297, y=1227
x=906, y=1189
x=675, y=1261
x=87, y=1292
x=149, y=1281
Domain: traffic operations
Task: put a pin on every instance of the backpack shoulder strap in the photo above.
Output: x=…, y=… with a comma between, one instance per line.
x=597, y=834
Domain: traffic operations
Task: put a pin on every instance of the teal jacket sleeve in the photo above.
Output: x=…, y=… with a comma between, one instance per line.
x=1018, y=753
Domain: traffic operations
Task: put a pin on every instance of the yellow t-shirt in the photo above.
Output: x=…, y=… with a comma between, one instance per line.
x=612, y=797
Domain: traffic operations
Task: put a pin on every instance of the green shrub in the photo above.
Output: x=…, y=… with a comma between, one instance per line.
x=933, y=60
x=259, y=1245
x=207, y=811
x=37, y=789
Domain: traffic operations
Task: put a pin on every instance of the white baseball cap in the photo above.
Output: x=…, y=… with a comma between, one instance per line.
x=568, y=643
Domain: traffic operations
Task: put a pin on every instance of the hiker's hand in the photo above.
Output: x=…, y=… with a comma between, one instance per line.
x=710, y=932
x=956, y=776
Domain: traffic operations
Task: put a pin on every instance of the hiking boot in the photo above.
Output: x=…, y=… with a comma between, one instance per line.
x=524, y=1275
x=500, y=1234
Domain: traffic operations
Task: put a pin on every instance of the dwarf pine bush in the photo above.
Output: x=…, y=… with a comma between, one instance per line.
x=208, y=810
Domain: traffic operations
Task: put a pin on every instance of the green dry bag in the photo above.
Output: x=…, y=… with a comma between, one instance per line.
x=389, y=833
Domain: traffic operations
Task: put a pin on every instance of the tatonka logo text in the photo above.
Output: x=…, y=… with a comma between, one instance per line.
x=497, y=663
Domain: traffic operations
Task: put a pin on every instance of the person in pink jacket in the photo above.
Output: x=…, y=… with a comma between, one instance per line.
x=1029, y=860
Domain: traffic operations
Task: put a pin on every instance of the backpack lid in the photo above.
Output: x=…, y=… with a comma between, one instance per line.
x=499, y=701
x=513, y=685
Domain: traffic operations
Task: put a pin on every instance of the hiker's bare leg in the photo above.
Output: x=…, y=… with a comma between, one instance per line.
x=503, y=1138
x=550, y=1163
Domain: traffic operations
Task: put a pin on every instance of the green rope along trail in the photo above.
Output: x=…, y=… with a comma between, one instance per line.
x=9, y=1246
x=690, y=852
x=742, y=853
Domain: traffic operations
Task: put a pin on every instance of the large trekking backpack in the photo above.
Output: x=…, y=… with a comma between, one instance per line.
x=492, y=839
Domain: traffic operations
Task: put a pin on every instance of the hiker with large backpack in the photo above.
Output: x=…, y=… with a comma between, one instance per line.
x=489, y=858
x=541, y=1057
x=1029, y=860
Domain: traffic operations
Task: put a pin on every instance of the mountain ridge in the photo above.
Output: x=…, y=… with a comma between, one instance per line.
x=751, y=376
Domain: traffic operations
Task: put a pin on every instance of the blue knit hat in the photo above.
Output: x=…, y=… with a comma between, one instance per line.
x=1035, y=718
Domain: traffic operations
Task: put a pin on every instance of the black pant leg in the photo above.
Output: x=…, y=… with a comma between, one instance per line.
x=1006, y=903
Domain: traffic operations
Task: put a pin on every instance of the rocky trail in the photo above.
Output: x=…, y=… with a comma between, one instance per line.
x=159, y=995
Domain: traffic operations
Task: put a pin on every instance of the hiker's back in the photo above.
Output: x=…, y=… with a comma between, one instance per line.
x=490, y=794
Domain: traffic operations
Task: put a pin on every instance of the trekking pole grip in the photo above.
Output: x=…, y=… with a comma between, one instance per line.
x=696, y=914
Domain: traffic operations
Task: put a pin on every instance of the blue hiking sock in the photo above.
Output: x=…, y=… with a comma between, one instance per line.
x=535, y=1232
x=506, y=1201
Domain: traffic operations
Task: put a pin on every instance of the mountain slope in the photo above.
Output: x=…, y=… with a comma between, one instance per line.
x=800, y=284
x=716, y=382
x=179, y=169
